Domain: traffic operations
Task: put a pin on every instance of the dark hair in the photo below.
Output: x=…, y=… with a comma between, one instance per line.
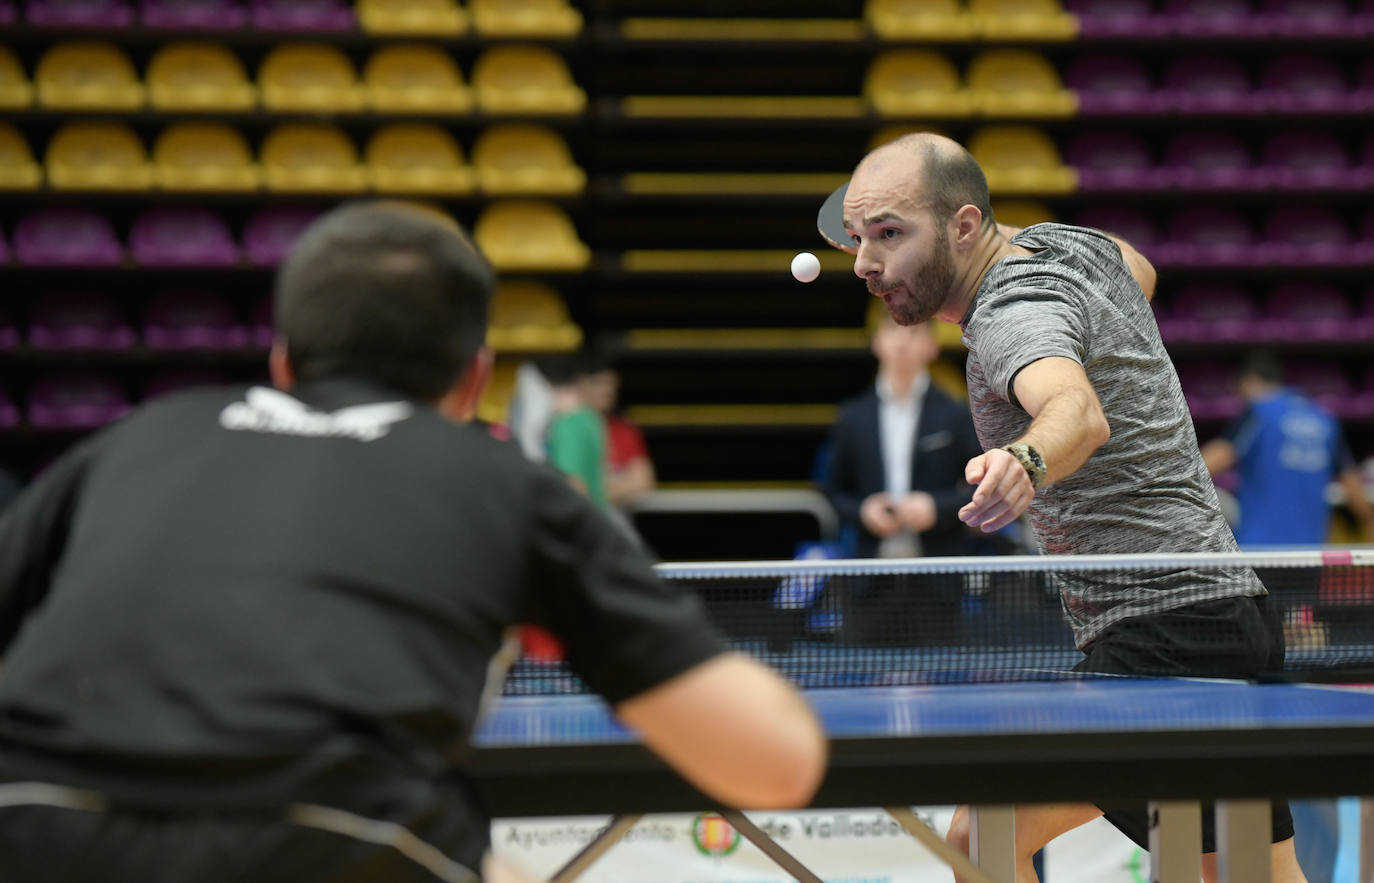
x=1264, y=365
x=952, y=179
x=384, y=291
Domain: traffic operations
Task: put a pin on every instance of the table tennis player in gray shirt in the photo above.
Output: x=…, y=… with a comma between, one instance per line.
x=1083, y=425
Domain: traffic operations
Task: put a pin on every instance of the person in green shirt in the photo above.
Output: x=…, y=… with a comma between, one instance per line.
x=577, y=434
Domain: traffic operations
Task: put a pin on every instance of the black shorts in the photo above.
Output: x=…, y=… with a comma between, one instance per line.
x=1231, y=638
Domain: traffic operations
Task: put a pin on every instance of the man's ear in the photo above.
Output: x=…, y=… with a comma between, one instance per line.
x=279, y=366
x=967, y=225
x=460, y=402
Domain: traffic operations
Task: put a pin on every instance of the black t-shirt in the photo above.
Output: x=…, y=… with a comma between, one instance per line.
x=241, y=586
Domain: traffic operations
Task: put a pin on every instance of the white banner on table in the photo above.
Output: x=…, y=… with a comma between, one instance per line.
x=841, y=846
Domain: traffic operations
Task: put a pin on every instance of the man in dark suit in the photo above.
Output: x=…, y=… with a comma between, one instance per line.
x=896, y=477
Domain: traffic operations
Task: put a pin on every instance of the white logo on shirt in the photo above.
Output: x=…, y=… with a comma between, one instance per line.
x=269, y=410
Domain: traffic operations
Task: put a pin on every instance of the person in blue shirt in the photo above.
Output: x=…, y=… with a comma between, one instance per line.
x=1286, y=449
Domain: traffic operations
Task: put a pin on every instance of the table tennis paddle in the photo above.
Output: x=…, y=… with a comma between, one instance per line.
x=830, y=221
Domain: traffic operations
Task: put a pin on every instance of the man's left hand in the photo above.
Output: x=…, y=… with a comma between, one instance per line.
x=1003, y=491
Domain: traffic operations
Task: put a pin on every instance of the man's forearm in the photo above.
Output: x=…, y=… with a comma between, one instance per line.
x=1067, y=430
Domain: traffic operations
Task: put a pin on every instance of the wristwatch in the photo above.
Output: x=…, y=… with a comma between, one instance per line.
x=1030, y=459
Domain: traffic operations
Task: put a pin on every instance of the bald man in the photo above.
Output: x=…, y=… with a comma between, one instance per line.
x=1083, y=426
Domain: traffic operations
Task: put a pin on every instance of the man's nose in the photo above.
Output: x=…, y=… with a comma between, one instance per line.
x=864, y=263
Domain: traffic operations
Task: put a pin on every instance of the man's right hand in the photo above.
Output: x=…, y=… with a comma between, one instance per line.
x=878, y=515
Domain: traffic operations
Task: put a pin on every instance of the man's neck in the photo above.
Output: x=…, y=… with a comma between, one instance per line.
x=992, y=247
x=900, y=385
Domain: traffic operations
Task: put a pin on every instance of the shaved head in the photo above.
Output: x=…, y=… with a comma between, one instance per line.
x=940, y=170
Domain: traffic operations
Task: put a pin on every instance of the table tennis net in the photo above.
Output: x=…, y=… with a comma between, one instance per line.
x=976, y=620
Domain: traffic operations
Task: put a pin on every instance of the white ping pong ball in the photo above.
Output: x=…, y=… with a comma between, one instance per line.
x=806, y=267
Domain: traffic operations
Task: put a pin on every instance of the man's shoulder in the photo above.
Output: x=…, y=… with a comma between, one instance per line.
x=854, y=407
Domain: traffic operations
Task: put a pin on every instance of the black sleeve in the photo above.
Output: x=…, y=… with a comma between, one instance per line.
x=33, y=532
x=841, y=485
x=625, y=629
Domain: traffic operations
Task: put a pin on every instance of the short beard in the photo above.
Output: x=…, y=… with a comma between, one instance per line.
x=919, y=302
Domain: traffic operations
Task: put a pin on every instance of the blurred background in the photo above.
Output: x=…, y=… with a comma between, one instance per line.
x=641, y=172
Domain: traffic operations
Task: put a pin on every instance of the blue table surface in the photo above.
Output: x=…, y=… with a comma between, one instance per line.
x=1024, y=708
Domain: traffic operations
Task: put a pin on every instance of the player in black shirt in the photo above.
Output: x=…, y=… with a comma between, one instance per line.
x=242, y=626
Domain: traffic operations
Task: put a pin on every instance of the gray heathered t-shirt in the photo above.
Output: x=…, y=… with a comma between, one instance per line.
x=1146, y=489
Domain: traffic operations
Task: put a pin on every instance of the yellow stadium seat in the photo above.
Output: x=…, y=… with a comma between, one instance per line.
x=417, y=158
x=439, y=18
x=15, y=90
x=518, y=159
x=199, y=76
x=1020, y=212
x=525, y=18
x=87, y=76
x=18, y=169
x=311, y=157
x=1019, y=159
x=525, y=79
x=495, y=402
x=98, y=156
x=1016, y=82
x=204, y=156
x=529, y=236
x=529, y=316
x=422, y=79
x=909, y=82
x=1022, y=20
x=309, y=77
x=918, y=19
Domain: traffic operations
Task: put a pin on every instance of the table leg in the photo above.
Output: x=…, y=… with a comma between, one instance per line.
x=609, y=836
x=1175, y=841
x=958, y=862
x=1243, y=841
x=781, y=857
x=1366, y=872
x=992, y=841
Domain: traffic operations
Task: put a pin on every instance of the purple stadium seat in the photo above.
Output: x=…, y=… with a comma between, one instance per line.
x=80, y=13
x=1309, y=309
x=1212, y=312
x=303, y=15
x=260, y=329
x=221, y=15
x=1114, y=83
x=1324, y=382
x=75, y=400
x=1362, y=250
x=1209, y=386
x=271, y=231
x=181, y=237
x=9, y=13
x=1117, y=18
x=1308, y=158
x=4, y=249
x=9, y=412
x=1362, y=99
x=9, y=332
x=192, y=320
x=1208, y=235
x=78, y=320
x=1306, y=234
x=1207, y=84
x=1123, y=221
x=1307, y=83
x=1112, y=159
x=1211, y=160
x=66, y=237
x=1306, y=18
x=177, y=379
x=1362, y=22
x=1212, y=18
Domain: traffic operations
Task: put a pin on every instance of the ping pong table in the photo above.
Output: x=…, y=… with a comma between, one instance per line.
x=1170, y=742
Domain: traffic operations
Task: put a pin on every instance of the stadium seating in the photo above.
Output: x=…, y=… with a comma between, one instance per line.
x=302, y=15
x=520, y=79
x=910, y=82
x=199, y=76
x=415, y=79
x=271, y=230
x=1015, y=83
x=527, y=18
x=311, y=157
x=531, y=316
x=1022, y=20
x=75, y=400
x=312, y=77
x=181, y=237
x=15, y=90
x=79, y=13
x=204, y=157
x=529, y=236
x=185, y=319
x=934, y=20
x=78, y=320
x=417, y=158
x=193, y=15
x=66, y=237
x=87, y=76
x=431, y=18
x=97, y=156
x=524, y=159
x=1021, y=159
x=18, y=170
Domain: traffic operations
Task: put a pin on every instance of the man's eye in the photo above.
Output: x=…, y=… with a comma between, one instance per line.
x=889, y=233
